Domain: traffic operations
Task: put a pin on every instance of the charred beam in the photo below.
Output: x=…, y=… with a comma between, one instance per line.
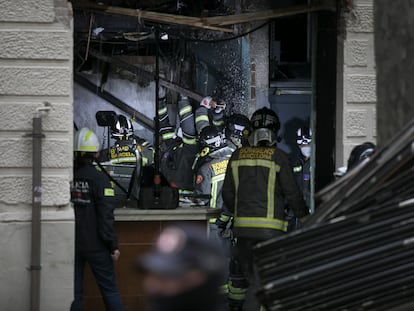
x=162, y=18
x=263, y=15
x=210, y=23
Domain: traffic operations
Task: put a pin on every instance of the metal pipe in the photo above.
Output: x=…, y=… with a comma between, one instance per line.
x=157, y=174
x=35, y=265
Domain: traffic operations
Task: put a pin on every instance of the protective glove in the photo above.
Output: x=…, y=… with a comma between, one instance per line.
x=223, y=223
x=207, y=102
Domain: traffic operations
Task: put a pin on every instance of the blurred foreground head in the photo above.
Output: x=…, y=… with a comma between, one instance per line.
x=183, y=271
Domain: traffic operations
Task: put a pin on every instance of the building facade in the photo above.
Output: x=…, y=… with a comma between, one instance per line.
x=36, y=61
x=356, y=79
x=36, y=67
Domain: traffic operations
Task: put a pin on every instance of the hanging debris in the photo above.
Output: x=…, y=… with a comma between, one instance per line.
x=355, y=252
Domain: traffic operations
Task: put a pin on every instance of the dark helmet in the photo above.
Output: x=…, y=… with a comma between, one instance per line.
x=238, y=129
x=212, y=138
x=303, y=135
x=360, y=153
x=122, y=129
x=265, y=118
x=266, y=125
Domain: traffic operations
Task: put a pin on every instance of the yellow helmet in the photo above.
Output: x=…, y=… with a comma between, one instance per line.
x=85, y=140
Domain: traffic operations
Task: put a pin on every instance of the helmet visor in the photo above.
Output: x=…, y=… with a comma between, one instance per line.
x=214, y=141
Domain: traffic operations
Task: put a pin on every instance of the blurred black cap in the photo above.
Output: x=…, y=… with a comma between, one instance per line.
x=180, y=249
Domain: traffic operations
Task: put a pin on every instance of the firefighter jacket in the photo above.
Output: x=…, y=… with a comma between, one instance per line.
x=123, y=151
x=258, y=181
x=92, y=195
x=210, y=175
x=204, y=117
x=179, y=152
x=301, y=170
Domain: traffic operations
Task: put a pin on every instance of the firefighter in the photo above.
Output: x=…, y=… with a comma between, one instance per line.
x=95, y=238
x=209, y=113
x=134, y=155
x=301, y=164
x=126, y=144
x=179, y=152
x=258, y=181
x=183, y=270
x=212, y=166
x=237, y=130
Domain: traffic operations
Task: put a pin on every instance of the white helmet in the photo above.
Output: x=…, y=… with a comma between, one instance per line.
x=85, y=140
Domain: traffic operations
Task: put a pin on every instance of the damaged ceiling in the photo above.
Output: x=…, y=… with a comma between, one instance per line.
x=121, y=35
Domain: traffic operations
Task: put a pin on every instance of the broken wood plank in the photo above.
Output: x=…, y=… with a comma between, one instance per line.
x=163, y=18
x=210, y=23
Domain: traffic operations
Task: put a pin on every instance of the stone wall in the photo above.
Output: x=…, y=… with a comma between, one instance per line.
x=36, y=67
x=356, y=101
x=394, y=51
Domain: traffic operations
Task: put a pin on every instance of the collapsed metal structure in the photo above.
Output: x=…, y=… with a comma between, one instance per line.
x=355, y=252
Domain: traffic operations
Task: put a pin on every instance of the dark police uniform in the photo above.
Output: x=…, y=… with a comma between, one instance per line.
x=301, y=170
x=95, y=238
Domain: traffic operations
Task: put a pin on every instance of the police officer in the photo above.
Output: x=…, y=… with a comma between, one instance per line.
x=258, y=181
x=183, y=271
x=95, y=238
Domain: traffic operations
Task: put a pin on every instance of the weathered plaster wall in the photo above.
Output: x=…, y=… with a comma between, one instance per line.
x=35, y=67
x=356, y=101
x=86, y=104
x=394, y=51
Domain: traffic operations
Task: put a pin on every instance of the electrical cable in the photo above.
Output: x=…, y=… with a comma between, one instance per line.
x=218, y=40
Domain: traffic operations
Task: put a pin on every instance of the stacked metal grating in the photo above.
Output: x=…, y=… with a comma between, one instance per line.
x=355, y=252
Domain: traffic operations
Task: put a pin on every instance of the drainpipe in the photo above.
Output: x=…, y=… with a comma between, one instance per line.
x=35, y=265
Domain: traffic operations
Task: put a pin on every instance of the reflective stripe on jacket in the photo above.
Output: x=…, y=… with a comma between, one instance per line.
x=258, y=182
x=210, y=176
